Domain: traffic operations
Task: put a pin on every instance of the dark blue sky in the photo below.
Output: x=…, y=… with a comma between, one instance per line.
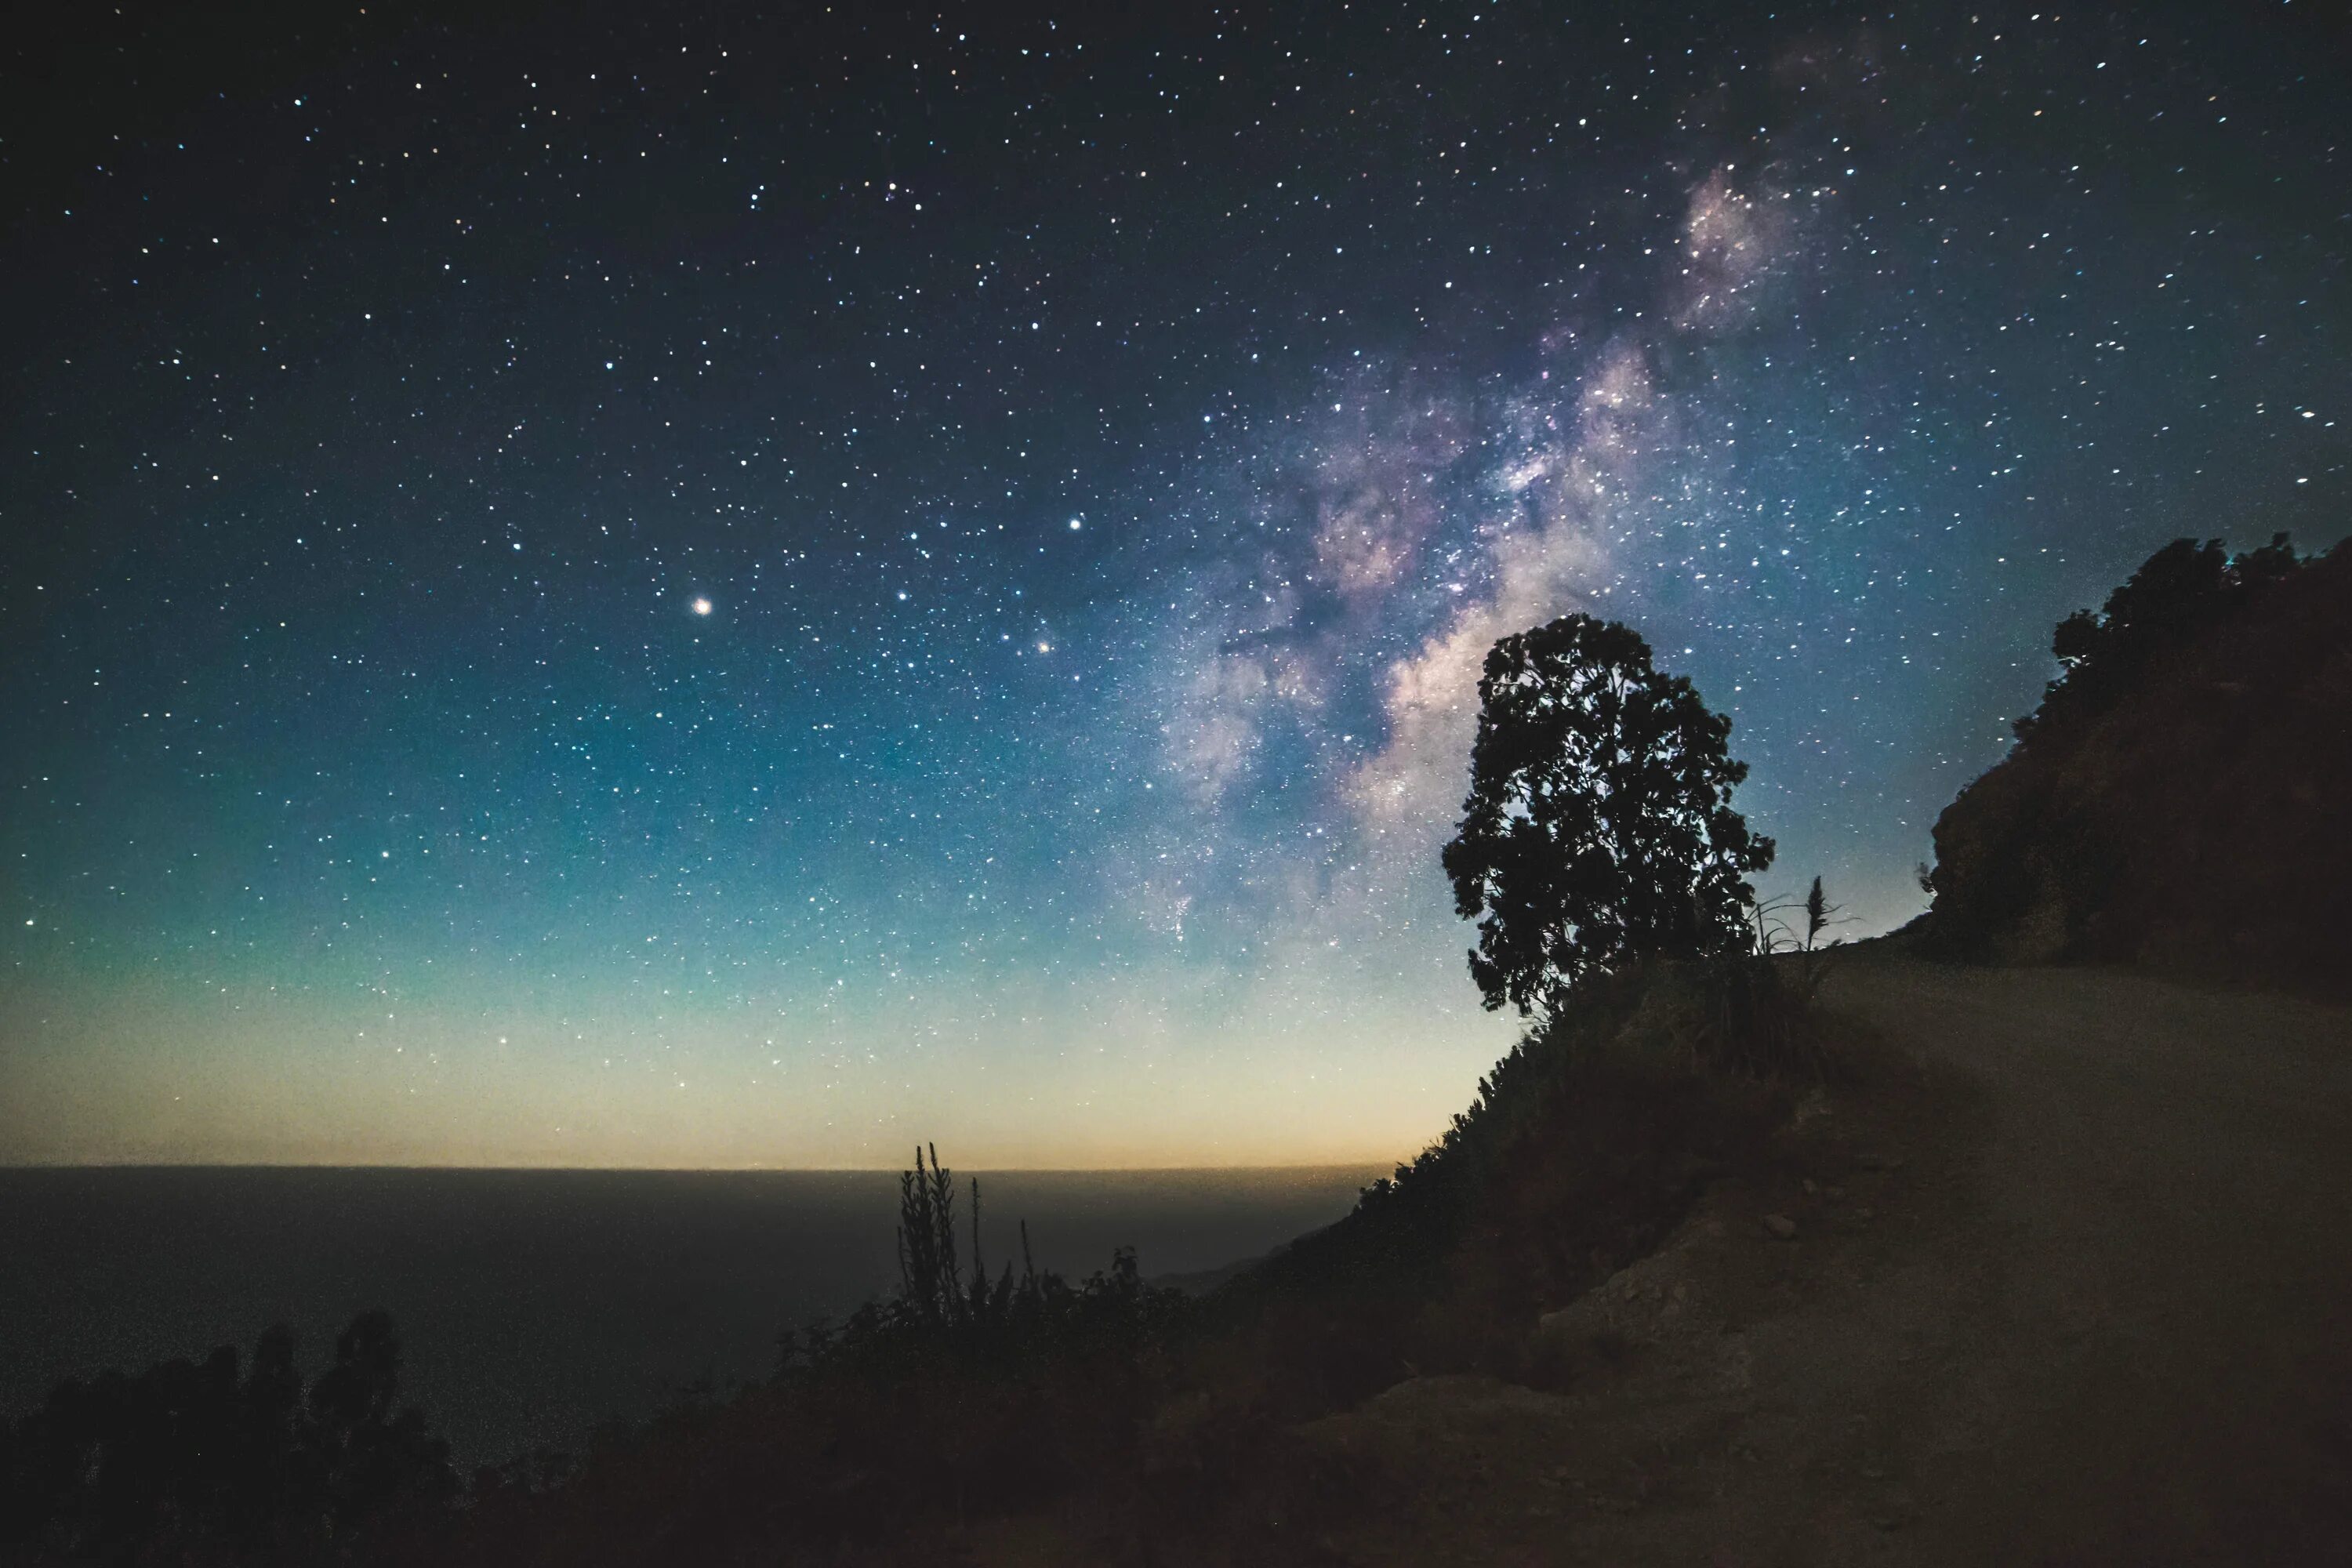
x=655, y=585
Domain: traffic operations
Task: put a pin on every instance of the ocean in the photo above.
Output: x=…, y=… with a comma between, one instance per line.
x=534, y=1305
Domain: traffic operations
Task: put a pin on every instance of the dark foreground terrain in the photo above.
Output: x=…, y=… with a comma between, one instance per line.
x=2067, y=1282
x=2048, y=1266
x=2054, y=1270
x=535, y=1306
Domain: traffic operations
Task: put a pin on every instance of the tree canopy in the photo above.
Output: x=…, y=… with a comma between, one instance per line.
x=1599, y=828
x=2177, y=594
x=2175, y=800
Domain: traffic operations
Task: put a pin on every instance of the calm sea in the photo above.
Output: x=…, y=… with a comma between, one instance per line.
x=534, y=1304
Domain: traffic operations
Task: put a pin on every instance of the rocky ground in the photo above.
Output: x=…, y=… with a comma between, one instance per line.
x=2065, y=1277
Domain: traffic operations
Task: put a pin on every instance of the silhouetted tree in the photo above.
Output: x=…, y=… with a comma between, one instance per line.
x=1599, y=828
x=186, y=1460
x=2172, y=800
x=2176, y=594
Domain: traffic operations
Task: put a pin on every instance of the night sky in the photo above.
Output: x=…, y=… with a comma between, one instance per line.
x=661, y=585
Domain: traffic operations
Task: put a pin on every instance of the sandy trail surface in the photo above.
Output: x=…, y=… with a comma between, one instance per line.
x=2066, y=1279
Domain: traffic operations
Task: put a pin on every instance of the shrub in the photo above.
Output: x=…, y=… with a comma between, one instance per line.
x=188, y=1461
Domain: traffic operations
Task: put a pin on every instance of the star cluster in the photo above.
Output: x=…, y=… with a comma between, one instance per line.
x=645, y=585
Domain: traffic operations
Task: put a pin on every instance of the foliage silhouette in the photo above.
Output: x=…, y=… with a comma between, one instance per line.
x=2170, y=801
x=1598, y=829
x=2177, y=594
x=191, y=1463
x=961, y=1397
x=946, y=1316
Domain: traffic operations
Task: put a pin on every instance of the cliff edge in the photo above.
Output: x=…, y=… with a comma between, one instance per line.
x=2177, y=800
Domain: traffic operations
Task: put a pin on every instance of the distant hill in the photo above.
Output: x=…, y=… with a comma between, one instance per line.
x=2179, y=798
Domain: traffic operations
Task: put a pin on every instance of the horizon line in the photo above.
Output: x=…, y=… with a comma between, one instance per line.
x=8, y=1165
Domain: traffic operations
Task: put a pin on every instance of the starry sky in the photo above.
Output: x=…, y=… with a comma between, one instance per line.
x=686, y=586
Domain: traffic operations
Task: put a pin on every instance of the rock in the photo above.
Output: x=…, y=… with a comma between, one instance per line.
x=1781, y=1226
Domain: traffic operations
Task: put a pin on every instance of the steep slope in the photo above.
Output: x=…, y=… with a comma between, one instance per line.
x=2065, y=1288
x=2178, y=802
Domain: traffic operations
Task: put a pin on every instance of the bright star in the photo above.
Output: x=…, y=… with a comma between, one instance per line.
x=701, y=606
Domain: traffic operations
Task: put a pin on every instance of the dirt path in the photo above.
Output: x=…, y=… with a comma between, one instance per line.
x=2070, y=1282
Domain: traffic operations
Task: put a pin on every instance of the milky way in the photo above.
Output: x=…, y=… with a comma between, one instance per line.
x=603, y=588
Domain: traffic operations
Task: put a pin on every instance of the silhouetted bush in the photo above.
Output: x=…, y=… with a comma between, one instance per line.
x=189, y=1462
x=961, y=1397
x=2177, y=594
x=2175, y=800
x=948, y=1318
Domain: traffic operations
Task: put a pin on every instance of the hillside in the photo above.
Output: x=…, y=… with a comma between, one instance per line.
x=2177, y=800
x=2051, y=1272
x=2061, y=1281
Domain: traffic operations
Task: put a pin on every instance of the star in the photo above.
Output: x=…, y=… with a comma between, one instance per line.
x=1060, y=646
